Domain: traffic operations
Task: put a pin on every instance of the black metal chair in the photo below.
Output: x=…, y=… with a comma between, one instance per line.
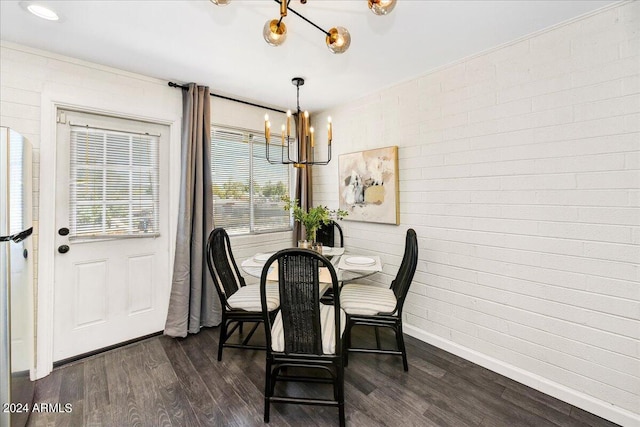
x=381, y=307
x=326, y=235
x=240, y=303
x=305, y=334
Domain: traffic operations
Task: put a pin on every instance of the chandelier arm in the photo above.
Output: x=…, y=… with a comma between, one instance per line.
x=276, y=162
x=326, y=33
x=289, y=159
x=266, y=149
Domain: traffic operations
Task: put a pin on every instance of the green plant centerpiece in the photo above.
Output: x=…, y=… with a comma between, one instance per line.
x=314, y=218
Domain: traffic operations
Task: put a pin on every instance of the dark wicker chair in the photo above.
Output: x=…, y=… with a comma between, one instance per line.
x=240, y=303
x=305, y=334
x=326, y=235
x=330, y=235
x=381, y=307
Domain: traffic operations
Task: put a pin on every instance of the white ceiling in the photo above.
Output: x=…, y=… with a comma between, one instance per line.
x=222, y=47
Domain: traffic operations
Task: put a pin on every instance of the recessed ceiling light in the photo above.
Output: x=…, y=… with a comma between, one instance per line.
x=43, y=12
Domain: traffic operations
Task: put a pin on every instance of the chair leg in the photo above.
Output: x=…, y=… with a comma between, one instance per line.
x=335, y=377
x=377, y=337
x=267, y=391
x=401, y=347
x=347, y=341
x=340, y=386
x=223, y=337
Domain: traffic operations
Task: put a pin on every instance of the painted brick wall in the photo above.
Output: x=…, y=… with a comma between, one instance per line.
x=519, y=171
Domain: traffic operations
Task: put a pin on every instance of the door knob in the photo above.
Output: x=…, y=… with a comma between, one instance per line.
x=63, y=231
x=63, y=249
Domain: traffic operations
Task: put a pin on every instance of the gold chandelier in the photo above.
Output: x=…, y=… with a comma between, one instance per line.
x=338, y=39
x=298, y=150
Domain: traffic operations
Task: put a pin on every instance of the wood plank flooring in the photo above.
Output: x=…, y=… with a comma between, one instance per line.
x=178, y=382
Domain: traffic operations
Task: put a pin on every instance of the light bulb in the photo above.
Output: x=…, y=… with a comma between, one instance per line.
x=273, y=33
x=338, y=40
x=382, y=7
x=221, y=2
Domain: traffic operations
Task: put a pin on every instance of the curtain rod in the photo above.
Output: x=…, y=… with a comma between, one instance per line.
x=172, y=84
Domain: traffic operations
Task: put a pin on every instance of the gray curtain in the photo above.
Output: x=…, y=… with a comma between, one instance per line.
x=193, y=302
x=302, y=184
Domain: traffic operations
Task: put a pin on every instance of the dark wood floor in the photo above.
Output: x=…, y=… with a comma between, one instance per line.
x=178, y=382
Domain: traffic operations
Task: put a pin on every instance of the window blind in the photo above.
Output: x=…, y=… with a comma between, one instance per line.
x=271, y=182
x=246, y=188
x=113, y=183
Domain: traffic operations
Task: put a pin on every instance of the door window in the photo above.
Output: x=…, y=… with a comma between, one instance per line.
x=113, y=183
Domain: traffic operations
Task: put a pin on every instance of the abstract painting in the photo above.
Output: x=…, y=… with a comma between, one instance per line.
x=368, y=183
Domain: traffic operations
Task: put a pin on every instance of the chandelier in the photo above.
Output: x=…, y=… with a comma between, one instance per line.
x=338, y=39
x=298, y=150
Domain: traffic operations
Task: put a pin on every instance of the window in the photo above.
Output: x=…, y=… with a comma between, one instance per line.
x=246, y=188
x=113, y=183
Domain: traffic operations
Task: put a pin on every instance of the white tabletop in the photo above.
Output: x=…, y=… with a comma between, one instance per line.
x=344, y=270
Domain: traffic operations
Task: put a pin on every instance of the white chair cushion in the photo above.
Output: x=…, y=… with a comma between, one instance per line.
x=248, y=298
x=367, y=300
x=327, y=326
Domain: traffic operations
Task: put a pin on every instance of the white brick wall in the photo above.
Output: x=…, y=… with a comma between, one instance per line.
x=520, y=172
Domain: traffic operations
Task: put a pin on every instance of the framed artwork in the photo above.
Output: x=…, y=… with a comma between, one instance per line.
x=369, y=185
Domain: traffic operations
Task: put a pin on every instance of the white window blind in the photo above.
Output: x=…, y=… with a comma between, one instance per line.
x=113, y=182
x=246, y=188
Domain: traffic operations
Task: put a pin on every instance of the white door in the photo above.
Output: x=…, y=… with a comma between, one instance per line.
x=112, y=261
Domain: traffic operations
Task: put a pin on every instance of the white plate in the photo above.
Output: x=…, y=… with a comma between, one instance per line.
x=262, y=257
x=328, y=250
x=360, y=260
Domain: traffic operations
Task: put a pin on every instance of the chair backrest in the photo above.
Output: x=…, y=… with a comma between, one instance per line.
x=222, y=265
x=326, y=235
x=299, y=285
x=400, y=285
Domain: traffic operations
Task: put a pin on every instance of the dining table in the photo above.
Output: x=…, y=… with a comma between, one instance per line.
x=349, y=266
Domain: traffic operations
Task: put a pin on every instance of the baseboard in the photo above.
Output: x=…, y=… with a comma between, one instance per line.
x=103, y=349
x=576, y=398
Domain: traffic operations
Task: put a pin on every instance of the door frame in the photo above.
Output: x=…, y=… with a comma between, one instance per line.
x=120, y=105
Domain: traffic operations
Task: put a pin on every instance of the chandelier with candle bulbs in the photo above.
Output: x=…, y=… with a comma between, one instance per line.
x=299, y=149
x=338, y=39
